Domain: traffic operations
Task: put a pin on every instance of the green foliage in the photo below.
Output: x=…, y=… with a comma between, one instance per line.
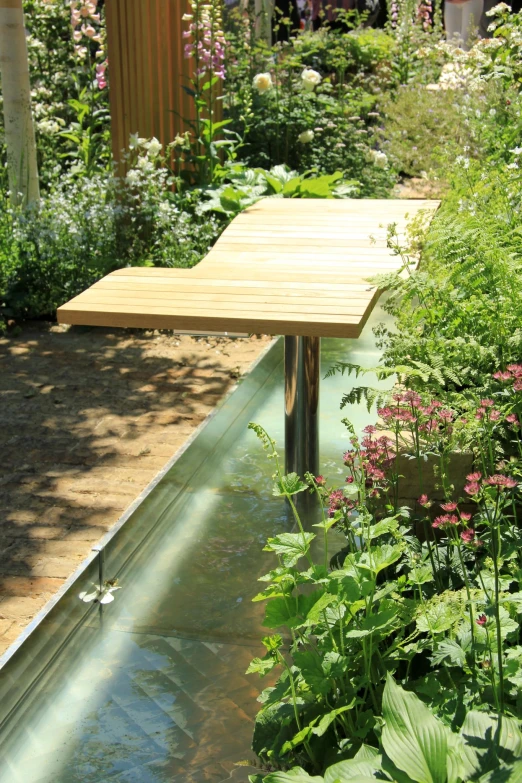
x=399, y=657
x=422, y=128
x=325, y=124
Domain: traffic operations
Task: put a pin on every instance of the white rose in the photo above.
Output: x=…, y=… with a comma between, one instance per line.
x=306, y=137
x=311, y=78
x=262, y=83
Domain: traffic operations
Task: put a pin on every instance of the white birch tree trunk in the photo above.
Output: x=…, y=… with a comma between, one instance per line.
x=16, y=93
x=264, y=10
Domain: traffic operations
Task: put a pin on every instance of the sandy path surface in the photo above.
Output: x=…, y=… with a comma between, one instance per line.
x=87, y=419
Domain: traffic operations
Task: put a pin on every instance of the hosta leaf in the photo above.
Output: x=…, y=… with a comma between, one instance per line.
x=296, y=775
x=364, y=765
x=415, y=741
x=479, y=732
x=504, y=773
x=290, y=546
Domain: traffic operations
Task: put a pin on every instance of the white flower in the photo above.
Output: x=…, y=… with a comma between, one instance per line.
x=262, y=83
x=154, y=147
x=103, y=596
x=311, y=78
x=379, y=159
x=500, y=8
x=132, y=177
x=306, y=137
x=513, y=165
x=48, y=126
x=492, y=112
x=516, y=150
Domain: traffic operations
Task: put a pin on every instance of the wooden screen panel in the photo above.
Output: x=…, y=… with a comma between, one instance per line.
x=147, y=70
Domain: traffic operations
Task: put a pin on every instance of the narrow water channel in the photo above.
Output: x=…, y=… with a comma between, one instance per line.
x=152, y=689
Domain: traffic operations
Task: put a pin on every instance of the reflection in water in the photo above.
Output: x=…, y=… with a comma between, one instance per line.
x=154, y=690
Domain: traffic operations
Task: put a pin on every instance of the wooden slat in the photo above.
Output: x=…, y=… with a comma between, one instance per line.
x=262, y=276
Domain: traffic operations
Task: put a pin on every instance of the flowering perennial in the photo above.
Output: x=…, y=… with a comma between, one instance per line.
x=206, y=40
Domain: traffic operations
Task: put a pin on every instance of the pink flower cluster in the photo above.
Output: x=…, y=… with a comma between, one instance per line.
x=394, y=13
x=410, y=410
x=513, y=372
x=82, y=16
x=85, y=21
x=452, y=519
x=424, y=11
x=101, y=79
x=487, y=411
x=501, y=482
x=206, y=39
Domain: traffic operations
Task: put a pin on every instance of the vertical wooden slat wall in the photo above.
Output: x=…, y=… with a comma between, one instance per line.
x=147, y=70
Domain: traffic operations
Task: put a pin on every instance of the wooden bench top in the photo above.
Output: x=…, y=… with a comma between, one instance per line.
x=283, y=266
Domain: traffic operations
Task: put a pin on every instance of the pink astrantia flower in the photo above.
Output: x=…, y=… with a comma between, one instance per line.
x=445, y=520
x=468, y=535
x=423, y=501
x=502, y=482
x=481, y=619
x=465, y=516
x=472, y=488
x=473, y=477
x=448, y=506
x=320, y=480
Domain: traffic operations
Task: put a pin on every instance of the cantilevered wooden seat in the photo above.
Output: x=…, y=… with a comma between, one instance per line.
x=284, y=266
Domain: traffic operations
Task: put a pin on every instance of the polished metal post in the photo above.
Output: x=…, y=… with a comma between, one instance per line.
x=302, y=376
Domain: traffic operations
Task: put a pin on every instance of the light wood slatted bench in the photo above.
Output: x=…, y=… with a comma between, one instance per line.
x=284, y=266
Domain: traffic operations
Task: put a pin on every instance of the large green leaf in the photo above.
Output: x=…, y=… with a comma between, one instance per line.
x=415, y=741
x=381, y=557
x=296, y=775
x=288, y=485
x=365, y=764
x=482, y=750
x=437, y=618
x=291, y=611
x=290, y=546
x=327, y=720
x=373, y=623
x=504, y=773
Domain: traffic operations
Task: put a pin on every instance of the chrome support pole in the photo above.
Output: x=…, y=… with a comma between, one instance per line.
x=302, y=375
